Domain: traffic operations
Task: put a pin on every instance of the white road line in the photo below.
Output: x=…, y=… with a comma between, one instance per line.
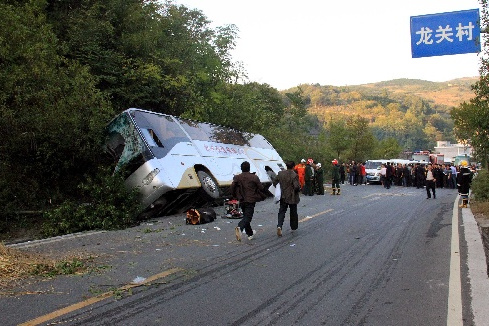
x=454, y=315
x=33, y=243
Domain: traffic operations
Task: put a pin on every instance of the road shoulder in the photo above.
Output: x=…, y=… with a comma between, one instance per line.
x=476, y=261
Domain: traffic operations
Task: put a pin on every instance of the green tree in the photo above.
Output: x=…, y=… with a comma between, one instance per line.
x=51, y=114
x=251, y=107
x=296, y=102
x=339, y=137
x=472, y=125
x=388, y=148
x=362, y=140
x=149, y=54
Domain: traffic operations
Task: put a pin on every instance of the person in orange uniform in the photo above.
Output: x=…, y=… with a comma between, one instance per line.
x=300, y=169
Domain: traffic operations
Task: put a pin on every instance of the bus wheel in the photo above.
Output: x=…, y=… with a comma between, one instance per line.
x=209, y=185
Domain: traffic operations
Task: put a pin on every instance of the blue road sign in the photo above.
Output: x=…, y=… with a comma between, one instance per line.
x=445, y=33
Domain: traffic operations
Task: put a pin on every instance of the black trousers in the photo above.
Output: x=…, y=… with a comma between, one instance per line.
x=294, y=217
x=245, y=223
x=430, y=184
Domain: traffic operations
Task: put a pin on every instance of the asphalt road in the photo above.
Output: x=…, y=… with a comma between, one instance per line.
x=370, y=256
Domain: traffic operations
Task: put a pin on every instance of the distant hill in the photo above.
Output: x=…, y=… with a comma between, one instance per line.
x=415, y=112
x=450, y=93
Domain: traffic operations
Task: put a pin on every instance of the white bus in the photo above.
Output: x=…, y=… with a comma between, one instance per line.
x=178, y=163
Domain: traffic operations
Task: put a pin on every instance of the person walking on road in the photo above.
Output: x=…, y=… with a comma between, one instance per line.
x=247, y=188
x=430, y=182
x=290, y=196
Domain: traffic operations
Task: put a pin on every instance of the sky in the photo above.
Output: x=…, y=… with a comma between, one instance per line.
x=285, y=43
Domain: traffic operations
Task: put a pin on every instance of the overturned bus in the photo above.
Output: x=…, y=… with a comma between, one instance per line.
x=177, y=163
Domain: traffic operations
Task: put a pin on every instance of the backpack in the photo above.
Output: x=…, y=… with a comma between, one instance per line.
x=200, y=216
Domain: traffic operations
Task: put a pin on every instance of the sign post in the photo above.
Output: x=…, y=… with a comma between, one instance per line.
x=445, y=33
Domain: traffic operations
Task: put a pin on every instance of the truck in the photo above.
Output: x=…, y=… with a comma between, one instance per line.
x=460, y=158
x=421, y=156
x=439, y=158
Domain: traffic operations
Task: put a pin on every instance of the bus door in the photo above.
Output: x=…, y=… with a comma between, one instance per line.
x=264, y=156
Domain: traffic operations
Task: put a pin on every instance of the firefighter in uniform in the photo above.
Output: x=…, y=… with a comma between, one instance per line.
x=300, y=169
x=335, y=177
x=464, y=178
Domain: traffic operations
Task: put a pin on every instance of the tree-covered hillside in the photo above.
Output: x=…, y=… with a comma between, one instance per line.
x=414, y=112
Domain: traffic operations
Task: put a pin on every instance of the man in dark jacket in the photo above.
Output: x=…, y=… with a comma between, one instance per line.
x=342, y=173
x=419, y=176
x=319, y=175
x=309, y=178
x=353, y=173
x=290, y=196
x=388, y=176
x=248, y=189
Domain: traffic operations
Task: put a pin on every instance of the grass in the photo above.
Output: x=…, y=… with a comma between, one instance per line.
x=480, y=210
x=16, y=265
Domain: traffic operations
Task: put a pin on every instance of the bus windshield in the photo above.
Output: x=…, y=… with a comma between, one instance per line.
x=125, y=145
x=161, y=132
x=373, y=165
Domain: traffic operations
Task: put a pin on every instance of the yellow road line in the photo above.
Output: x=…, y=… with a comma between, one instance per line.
x=100, y=297
x=315, y=215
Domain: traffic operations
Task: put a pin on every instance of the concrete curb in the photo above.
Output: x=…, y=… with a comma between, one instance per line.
x=476, y=261
x=34, y=243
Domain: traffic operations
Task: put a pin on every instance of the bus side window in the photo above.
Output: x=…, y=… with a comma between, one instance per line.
x=151, y=138
x=169, y=131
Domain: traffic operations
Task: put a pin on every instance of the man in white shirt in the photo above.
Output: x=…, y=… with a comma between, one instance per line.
x=430, y=182
x=383, y=171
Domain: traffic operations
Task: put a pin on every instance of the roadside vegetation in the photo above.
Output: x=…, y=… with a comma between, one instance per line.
x=68, y=67
x=480, y=196
x=16, y=265
x=471, y=125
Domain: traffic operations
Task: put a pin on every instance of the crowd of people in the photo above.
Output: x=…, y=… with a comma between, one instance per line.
x=311, y=177
x=414, y=175
x=307, y=177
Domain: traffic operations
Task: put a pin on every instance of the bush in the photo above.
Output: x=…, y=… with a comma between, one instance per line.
x=106, y=205
x=480, y=186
